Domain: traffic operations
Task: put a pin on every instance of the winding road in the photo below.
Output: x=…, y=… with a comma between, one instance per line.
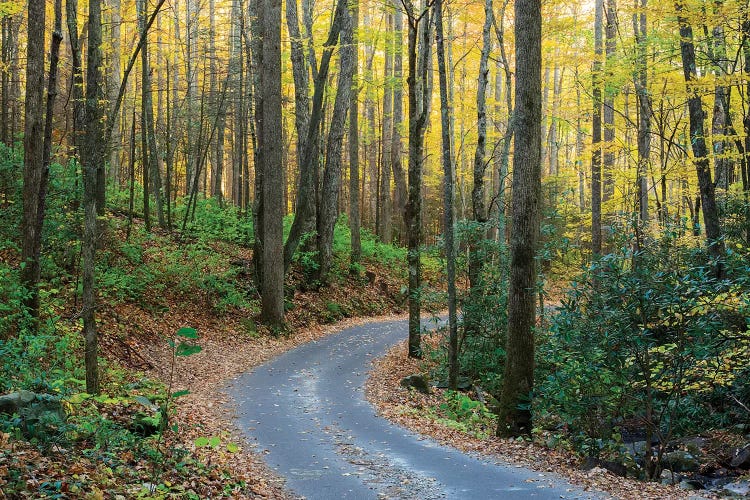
x=305, y=411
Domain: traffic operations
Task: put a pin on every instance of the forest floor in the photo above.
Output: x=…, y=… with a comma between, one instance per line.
x=410, y=409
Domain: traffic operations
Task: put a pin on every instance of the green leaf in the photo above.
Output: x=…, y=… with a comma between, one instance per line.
x=188, y=333
x=175, y=428
x=177, y=394
x=214, y=441
x=201, y=442
x=143, y=400
x=79, y=397
x=232, y=448
x=187, y=349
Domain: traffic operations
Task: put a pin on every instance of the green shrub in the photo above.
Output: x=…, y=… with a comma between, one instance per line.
x=638, y=337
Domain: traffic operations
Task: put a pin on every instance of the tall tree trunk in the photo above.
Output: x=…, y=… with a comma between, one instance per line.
x=332, y=175
x=447, y=158
x=114, y=79
x=503, y=159
x=92, y=159
x=609, y=102
x=386, y=209
x=644, y=109
x=419, y=94
x=306, y=199
x=596, y=136
x=518, y=382
x=698, y=142
x=478, y=208
x=354, y=192
x=268, y=98
x=33, y=171
x=152, y=166
x=399, y=176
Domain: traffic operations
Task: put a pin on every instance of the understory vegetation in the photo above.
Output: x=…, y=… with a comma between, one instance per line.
x=646, y=343
x=130, y=439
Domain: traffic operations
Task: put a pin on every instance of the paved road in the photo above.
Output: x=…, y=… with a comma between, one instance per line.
x=306, y=411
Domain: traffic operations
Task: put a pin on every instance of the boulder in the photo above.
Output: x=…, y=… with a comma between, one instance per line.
x=40, y=414
x=681, y=461
x=668, y=477
x=418, y=382
x=16, y=401
x=741, y=459
x=737, y=489
x=691, y=485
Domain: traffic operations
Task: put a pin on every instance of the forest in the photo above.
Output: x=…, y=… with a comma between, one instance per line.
x=548, y=201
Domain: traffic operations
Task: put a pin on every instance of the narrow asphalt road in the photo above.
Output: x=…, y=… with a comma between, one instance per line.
x=306, y=412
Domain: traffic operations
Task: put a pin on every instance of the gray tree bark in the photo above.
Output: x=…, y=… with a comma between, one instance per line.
x=418, y=81
x=268, y=102
x=447, y=160
x=33, y=170
x=332, y=175
x=596, y=136
x=514, y=416
x=354, y=190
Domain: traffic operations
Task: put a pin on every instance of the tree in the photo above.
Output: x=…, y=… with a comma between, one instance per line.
x=34, y=179
x=332, y=175
x=354, y=192
x=596, y=136
x=514, y=416
x=92, y=159
x=268, y=107
x=478, y=208
x=304, y=216
x=447, y=158
x=698, y=142
x=419, y=94
x=640, y=78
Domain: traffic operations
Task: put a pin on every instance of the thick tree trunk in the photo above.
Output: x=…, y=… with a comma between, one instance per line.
x=33, y=171
x=92, y=159
x=518, y=382
x=269, y=160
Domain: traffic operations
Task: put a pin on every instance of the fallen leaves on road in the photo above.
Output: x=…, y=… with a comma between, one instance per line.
x=404, y=407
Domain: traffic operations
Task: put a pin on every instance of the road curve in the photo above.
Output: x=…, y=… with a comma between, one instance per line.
x=305, y=411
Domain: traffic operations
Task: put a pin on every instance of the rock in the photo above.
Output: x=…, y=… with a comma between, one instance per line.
x=637, y=448
x=681, y=461
x=737, y=488
x=15, y=401
x=668, y=477
x=694, y=445
x=40, y=414
x=613, y=467
x=741, y=459
x=690, y=485
x=418, y=382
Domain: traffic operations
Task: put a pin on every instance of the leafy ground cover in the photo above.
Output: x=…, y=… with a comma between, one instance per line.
x=160, y=428
x=463, y=421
